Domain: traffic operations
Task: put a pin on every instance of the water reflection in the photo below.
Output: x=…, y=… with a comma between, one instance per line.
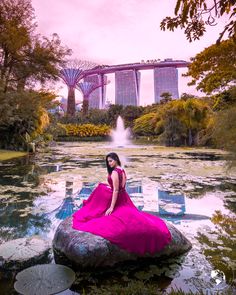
x=171, y=205
x=35, y=196
x=86, y=190
x=219, y=245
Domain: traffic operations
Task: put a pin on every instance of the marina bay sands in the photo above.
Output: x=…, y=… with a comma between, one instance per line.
x=127, y=81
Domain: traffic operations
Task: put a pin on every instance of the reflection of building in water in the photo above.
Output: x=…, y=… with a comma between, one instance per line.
x=171, y=205
x=68, y=206
x=66, y=209
x=86, y=190
x=135, y=191
x=134, y=187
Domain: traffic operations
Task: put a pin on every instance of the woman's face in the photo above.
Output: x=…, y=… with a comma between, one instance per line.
x=111, y=162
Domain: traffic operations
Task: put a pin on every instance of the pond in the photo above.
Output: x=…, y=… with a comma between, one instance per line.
x=190, y=188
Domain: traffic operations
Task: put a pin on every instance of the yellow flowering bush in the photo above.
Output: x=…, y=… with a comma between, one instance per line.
x=86, y=130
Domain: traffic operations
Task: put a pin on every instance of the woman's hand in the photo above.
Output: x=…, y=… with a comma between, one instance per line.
x=109, y=211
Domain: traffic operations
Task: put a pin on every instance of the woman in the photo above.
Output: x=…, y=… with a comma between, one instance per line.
x=110, y=213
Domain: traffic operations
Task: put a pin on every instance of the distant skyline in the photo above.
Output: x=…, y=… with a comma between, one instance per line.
x=118, y=32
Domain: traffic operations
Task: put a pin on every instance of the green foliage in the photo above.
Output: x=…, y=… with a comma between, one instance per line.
x=56, y=130
x=95, y=116
x=178, y=122
x=22, y=117
x=224, y=132
x=193, y=16
x=145, y=125
x=130, y=113
x=219, y=245
x=114, y=111
x=165, y=97
x=186, y=96
x=225, y=99
x=26, y=57
x=214, y=69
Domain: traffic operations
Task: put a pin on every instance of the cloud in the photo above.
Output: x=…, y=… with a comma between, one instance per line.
x=119, y=31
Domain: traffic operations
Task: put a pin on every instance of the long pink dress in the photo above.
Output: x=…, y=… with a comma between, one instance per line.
x=127, y=227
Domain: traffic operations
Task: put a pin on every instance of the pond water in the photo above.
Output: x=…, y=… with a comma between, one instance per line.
x=190, y=188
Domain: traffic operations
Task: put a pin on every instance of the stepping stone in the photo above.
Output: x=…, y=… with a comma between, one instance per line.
x=24, y=252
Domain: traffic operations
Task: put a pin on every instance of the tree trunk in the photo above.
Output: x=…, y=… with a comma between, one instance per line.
x=71, y=102
x=21, y=84
x=85, y=106
x=190, y=137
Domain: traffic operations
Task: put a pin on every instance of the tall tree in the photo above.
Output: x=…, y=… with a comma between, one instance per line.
x=194, y=15
x=26, y=57
x=214, y=69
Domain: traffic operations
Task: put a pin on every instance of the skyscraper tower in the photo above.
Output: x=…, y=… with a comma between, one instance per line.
x=127, y=87
x=95, y=97
x=165, y=80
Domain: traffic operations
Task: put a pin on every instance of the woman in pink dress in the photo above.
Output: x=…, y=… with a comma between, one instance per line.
x=110, y=213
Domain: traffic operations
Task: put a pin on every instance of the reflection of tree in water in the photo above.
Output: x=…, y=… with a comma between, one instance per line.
x=17, y=179
x=230, y=203
x=219, y=245
x=18, y=221
x=20, y=170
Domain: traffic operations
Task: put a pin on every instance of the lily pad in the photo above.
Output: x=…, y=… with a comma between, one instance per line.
x=44, y=279
x=19, y=253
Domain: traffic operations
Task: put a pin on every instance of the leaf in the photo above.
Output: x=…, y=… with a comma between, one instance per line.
x=44, y=279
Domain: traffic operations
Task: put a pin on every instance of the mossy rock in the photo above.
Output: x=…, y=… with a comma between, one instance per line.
x=83, y=250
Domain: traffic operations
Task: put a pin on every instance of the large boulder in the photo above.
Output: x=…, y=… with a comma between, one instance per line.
x=83, y=250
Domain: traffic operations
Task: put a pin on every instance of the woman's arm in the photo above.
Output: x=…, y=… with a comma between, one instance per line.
x=115, y=181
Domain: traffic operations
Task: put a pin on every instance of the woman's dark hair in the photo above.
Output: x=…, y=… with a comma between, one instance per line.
x=115, y=157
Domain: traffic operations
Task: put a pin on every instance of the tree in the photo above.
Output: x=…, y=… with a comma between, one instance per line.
x=165, y=97
x=177, y=122
x=174, y=131
x=225, y=99
x=114, y=111
x=224, y=132
x=23, y=117
x=186, y=96
x=26, y=57
x=145, y=125
x=214, y=69
x=193, y=16
x=130, y=113
x=195, y=118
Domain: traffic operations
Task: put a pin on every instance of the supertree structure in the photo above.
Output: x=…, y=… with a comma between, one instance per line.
x=86, y=88
x=71, y=75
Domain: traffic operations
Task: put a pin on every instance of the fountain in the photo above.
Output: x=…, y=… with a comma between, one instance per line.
x=120, y=135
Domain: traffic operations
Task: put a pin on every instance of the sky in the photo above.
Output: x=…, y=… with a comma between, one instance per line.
x=117, y=32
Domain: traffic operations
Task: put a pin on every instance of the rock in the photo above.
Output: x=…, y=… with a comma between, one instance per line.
x=21, y=253
x=83, y=250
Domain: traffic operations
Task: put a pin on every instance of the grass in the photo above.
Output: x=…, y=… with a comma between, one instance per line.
x=7, y=155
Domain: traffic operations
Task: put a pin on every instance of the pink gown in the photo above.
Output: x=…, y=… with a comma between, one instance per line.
x=127, y=227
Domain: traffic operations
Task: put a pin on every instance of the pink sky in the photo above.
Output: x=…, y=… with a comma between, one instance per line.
x=119, y=31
